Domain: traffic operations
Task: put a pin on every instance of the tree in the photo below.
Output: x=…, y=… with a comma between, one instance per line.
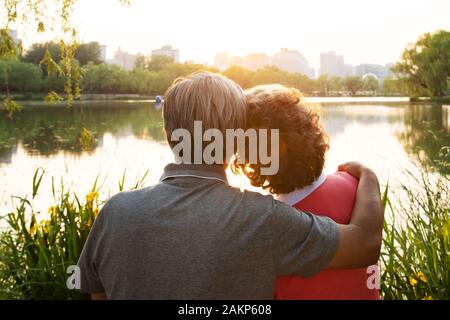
x=353, y=84
x=323, y=84
x=371, y=84
x=37, y=52
x=240, y=75
x=88, y=53
x=158, y=63
x=336, y=84
x=44, y=17
x=22, y=77
x=425, y=65
x=391, y=86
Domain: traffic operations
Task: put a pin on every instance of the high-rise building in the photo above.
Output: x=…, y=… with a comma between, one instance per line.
x=256, y=61
x=103, y=53
x=381, y=72
x=167, y=51
x=124, y=59
x=334, y=65
x=221, y=61
x=237, y=61
x=14, y=36
x=292, y=61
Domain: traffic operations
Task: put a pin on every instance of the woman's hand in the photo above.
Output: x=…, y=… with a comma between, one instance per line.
x=357, y=169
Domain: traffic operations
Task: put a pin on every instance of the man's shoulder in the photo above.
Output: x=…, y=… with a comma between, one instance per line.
x=127, y=199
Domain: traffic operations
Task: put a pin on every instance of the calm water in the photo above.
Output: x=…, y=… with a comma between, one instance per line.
x=388, y=136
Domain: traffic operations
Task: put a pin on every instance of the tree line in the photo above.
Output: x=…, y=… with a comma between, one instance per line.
x=153, y=75
x=424, y=70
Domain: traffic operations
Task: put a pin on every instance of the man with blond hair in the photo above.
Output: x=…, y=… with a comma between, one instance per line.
x=193, y=236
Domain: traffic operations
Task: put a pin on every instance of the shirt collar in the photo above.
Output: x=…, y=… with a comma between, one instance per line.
x=200, y=171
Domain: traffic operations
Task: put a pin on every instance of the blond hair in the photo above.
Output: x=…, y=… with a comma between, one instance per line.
x=213, y=99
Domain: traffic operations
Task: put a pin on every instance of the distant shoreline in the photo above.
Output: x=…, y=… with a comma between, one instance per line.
x=86, y=99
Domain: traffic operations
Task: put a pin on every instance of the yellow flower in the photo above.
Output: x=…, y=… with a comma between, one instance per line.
x=412, y=281
x=421, y=276
x=428, y=298
x=45, y=226
x=446, y=228
x=52, y=211
x=91, y=197
x=34, y=229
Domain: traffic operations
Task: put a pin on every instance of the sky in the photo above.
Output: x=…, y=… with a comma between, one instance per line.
x=363, y=31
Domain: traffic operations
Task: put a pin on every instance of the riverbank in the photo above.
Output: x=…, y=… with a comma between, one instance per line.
x=440, y=100
x=39, y=97
x=90, y=99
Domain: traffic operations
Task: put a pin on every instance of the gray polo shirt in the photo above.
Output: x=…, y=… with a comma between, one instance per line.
x=192, y=236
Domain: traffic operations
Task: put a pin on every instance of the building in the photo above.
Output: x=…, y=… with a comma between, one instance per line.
x=222, y=61
x=124, y=59
x=292, y=61
x=167, y=51
x=381, y=72
x=256, y=61
x=14, y=36
x=237, y=61
x=334, y=65
x=103, y=53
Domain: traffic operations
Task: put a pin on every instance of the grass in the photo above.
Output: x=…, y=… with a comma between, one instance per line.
x=34, y=256
x=416, y=243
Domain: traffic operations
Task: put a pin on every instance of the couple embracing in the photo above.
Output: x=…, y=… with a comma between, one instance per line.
x=193, y=236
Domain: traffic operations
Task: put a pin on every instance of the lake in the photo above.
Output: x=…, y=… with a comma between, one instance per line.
x=389, y=135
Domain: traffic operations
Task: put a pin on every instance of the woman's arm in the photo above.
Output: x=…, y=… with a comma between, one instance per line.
x=360, y=241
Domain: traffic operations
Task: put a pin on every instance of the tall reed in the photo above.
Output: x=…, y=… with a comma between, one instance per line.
x=35, y=256
x=416, y=243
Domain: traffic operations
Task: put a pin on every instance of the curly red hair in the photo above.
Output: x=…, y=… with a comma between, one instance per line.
x=303, y=141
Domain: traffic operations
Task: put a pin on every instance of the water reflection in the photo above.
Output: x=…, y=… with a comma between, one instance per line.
x=49, y=130
x=427, y=134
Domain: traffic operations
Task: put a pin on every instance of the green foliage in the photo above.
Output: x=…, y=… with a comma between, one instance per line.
x=416, y=243
x=52, y=97
x=371, y=84
x=38, y=51
x=240, y=75
x=87, y=139
x=88, y=53
x=35, y=254
x=8, y=48
x=353, y=84
x=28, y=77
x=22, y=77
x=11, y=106
x=392, y=86
x=46, y=17
x=425, y=65
x=156, y=63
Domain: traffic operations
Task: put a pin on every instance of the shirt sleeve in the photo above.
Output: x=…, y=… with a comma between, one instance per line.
x=88, y=261
x=303, y=244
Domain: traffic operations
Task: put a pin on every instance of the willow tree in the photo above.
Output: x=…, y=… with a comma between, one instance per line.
x=46, y=17
x=425, y=65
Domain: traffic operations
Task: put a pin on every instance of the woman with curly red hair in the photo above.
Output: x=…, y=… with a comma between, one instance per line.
x=301, y=183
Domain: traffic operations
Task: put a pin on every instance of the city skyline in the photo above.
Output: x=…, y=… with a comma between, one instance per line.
x=200, y=29
x=375, y=36
x=289, y=60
